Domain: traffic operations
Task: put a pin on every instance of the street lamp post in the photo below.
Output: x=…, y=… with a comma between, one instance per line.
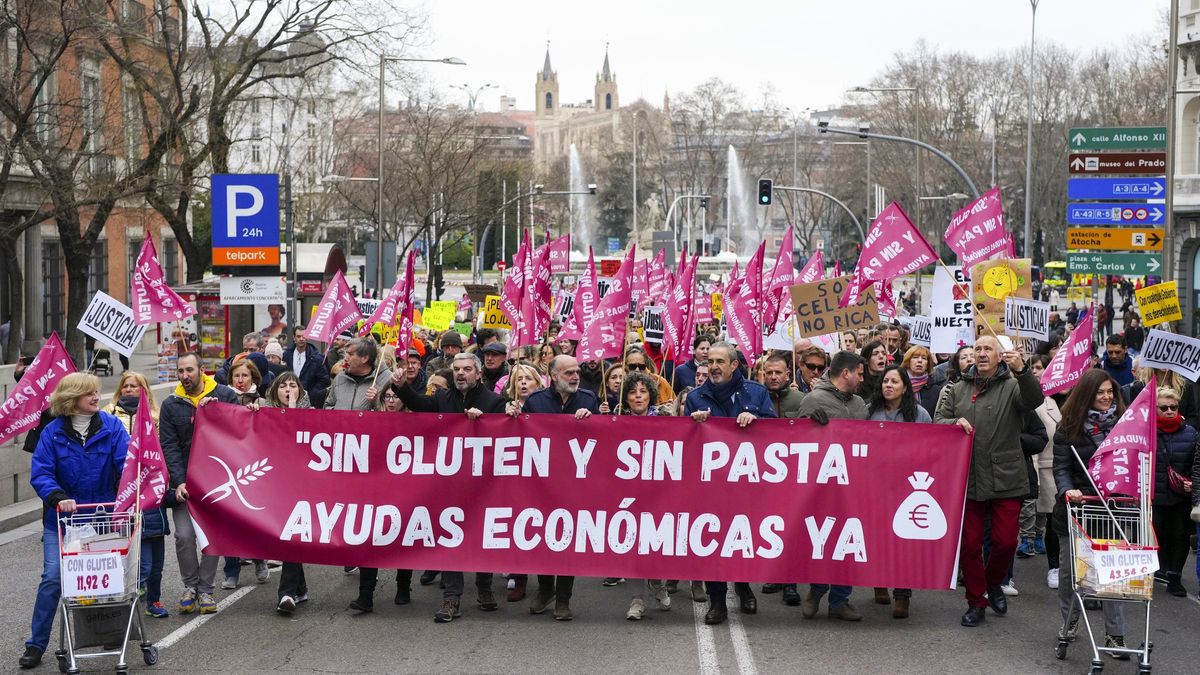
x=1029, y=125
x=671, y=210
x=473, y=92
x=786, y=188
x=823, y=127
x=383, y=60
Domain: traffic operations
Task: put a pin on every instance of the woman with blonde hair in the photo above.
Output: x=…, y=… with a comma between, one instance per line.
x=523, y=380
x=125, y=399
x=79, y=459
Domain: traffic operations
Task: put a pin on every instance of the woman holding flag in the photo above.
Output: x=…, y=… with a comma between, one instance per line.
x=1090, y=413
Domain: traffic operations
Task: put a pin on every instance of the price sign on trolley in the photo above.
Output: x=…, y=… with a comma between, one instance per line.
x=91, y=575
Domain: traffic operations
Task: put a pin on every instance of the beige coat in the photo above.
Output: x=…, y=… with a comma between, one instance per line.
x=1049, y=414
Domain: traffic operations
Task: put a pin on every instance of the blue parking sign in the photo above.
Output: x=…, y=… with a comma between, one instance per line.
x=245, y=219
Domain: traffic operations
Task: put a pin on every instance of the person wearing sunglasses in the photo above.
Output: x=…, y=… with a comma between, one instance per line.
x=638, y=361
x=812, y=364
x=1175, y=455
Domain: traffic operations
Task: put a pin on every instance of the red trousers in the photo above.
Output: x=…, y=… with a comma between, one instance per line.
x=1006, y=516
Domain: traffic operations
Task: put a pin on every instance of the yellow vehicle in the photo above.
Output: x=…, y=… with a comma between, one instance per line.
x=1054, y=274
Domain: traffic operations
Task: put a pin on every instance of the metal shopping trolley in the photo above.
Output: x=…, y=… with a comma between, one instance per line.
x=99, y=559
x=1113, y=554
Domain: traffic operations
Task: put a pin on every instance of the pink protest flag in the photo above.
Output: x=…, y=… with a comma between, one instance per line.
x=976, y=231
x=641, y=279
x=586, y=297
x=514, y=284
x=1073, y=358
x=464, y=303
x=30, y=396
x=145, y=474
x=398, y=302
x=336, y=312
x=703, y=312
x=604, y=336
x=782, y=277
x=152, y=299
x=560, y=254
x=680, y=311
x=894, y=247
x=535, y=305
x=885, y=298
x=744, y=313
x=657, y=276
x=837, y=270
x=1116, y=466
x=813, y=269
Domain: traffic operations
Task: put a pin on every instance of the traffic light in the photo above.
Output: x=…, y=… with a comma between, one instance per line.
x=764, y=191
x=439, y=283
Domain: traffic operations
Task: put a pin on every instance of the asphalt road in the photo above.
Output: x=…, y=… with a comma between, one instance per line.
x=247, y=636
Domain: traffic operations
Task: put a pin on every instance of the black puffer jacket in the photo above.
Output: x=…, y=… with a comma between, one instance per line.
x=177, y=422
x=1178, y=451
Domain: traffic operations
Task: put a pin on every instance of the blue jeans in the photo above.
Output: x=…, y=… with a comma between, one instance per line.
x=154, y=552
x=838, y=595
x=48, y=593
x=1198, y=555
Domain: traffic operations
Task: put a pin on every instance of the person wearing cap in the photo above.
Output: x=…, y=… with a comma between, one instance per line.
x=450, y=345
x=274, y=354
x=494, y=366
x=336, y=352
x=417, y=377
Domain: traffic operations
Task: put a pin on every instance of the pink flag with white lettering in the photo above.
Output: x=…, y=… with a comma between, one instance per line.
x=145, y=475
x=783, y=275
x=1116, y=466
x=397, y=298
x=535, y=302
x=885, y=298
x=813, y=269
x=679, y=314
x=976, y=231
x=658, y=274
x=1073, y=358
x=336, y=312
x=514, y=283
x=604, y=336
x=641, y=279
x=586, y=297
x=30, y=396
x=744, y=313
x=152, y=299
x=560, y=255
x=894, y=247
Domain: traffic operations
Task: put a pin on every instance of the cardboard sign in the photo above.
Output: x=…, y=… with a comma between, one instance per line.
x=652, y=324
x=1171, y=351
x=491, y=316
x=953, y=321
x=817, y=312
x=992, y=282
x=440, y=314
x=1159, y=303
x=1027, y=318
x=111, y=322
x=919, y=329
x=718, y=307
x=564, y=308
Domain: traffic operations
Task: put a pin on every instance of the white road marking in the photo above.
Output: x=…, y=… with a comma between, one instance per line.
x=181, y=632
x=706, y=648
x=741, y=644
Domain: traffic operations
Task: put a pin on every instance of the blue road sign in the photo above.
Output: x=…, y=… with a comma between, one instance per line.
x=1115, y=214
x=1116, y=188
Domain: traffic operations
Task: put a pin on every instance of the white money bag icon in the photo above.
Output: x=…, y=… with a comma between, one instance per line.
x=919, y=516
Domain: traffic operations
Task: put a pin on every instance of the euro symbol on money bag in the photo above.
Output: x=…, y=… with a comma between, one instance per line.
x=919, y=516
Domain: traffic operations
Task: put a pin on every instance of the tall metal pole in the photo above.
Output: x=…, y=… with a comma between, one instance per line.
x=292, y=312
x=504, y=220
x=1168, y=271
x=379, y=191
x=920, y=161
x=635, y=184
x=1029, y=125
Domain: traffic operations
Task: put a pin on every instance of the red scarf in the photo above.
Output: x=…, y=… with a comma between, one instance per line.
x=1169, y=425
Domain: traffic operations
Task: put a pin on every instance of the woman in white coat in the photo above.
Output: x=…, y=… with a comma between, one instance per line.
x=1049, y=414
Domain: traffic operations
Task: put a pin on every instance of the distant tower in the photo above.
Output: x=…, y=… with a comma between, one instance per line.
x=666, y=104
x=546, y=98
x=606, y=87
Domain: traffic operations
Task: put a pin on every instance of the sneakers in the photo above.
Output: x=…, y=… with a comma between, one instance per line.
x=448, y=612
x=1010, y=589
x=187, y=601
x=1116, y=642
x=662, y=600
x=808, y=607
x=562, y=610
x=1039, y=545
x=1025, y=549
x=698, y=593
x=350, y=569
x=540, y=603
x=487, y=600
x=611, y=581
x=229, y=584
x=845, y=612
x=156, y=610
x=1052, y=578
x=302, y=598
x=287, y=605
x=207, y=604
x=637, y=609
x=261, y=572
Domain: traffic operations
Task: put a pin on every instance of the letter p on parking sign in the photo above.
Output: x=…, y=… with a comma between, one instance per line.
x=245, y=224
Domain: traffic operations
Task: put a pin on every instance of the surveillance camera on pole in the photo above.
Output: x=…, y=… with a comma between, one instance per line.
x=864, y=128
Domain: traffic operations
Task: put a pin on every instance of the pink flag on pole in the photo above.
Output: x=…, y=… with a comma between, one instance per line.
x=514, y=284
x=397, y=302
x=153, y=300
x=336, y=312
x=680, y=311
x=586, y=297
x=894, y=247
x=658, y=274
x=885, y=298
x=641, y=279
x=813, y=269
x=30, y=396
x=560, y=255
x=837, y=270
x=145, y=475
x=976, y=232
x=1116, y=466
x=535, y=305
x=783, y=275
x=1073, y=358
x=744, y=314
x=604, y=337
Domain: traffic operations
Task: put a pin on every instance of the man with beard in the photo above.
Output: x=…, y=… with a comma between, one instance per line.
x=494, y=367
x=565, y=398
x=777, y=377
x=728, y=394
x=591, y=375
x=467, y=396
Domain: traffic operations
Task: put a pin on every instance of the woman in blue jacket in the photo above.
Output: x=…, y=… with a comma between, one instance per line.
x=78, y=460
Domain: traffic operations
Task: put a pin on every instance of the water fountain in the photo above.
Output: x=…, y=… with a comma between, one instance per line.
x=740, y=208
x=581, y=217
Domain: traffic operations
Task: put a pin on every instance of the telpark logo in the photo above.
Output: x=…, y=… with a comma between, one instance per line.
x=244, y=476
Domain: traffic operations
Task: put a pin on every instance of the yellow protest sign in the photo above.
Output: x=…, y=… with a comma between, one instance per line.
x=717, y=307
x=492, y=316
x=440, y=314
x=991, y=282
x=1159, y=303
x=1079, y=293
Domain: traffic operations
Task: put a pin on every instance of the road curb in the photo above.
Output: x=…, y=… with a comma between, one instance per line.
x=20, y=513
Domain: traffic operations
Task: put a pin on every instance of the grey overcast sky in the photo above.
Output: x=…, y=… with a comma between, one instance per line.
x=809, y=51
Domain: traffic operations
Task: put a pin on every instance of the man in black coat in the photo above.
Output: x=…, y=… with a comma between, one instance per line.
x=305, y=360
x=468, y=396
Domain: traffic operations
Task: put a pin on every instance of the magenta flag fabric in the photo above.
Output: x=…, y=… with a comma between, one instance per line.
x=336, y=312
x=976, y=232
x=744, y=313
x=1073, y=358
x=1116, y=466
x=30, y=396
x=604, y=337
x=813, y=270
x=145, y=476
x=153, y=300
x=894, y=247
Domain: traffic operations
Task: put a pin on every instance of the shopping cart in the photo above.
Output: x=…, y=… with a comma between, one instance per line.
x=99, y=558
x=1112, y=543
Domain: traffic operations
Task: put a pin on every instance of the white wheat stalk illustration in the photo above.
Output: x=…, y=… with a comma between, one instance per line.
x=252, y=472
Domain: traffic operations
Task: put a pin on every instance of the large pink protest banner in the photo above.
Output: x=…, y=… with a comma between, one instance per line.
x=861, y=503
